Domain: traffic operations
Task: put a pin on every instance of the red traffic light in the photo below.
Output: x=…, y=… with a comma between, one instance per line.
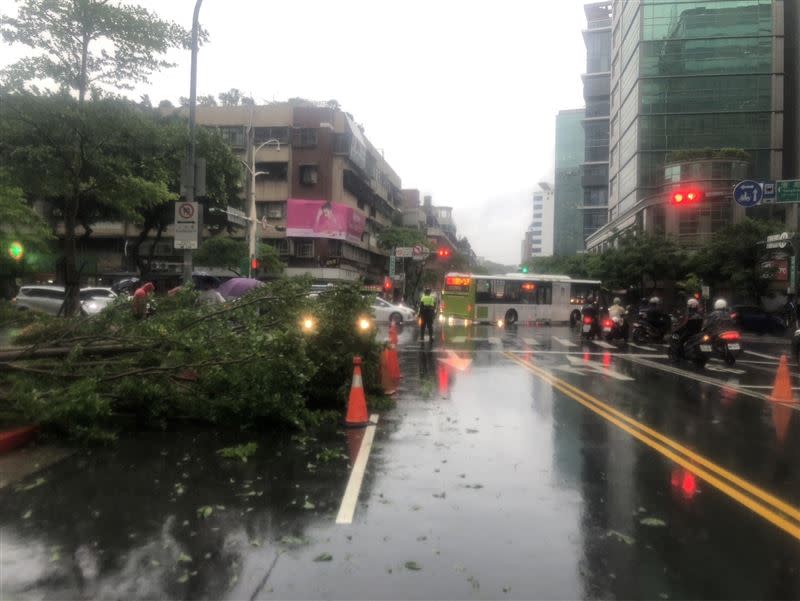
x=255, y=263
x=387, y=283
x=443, y=252
x=683, y=197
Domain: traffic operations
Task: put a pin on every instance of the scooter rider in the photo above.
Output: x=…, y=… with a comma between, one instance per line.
x=690, y=324
x=617, y=310
x=590, y=310
x=719, y=318
x=655, y=316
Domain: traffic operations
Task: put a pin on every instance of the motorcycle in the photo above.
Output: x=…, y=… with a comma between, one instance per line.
x=644, y=331
x=697, y=349
x=796, y=346
x=614, y=329
x=727, y=344
x=589, y=327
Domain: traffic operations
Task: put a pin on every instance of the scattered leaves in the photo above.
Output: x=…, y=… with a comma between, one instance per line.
x=628, y=540
x=652, y=522
x=35, y=484
x=183, y=558
x=27, y=515
x=413, y=565
x=242, y=451
x=324, y=557
x=205, y=511
x=294, y=541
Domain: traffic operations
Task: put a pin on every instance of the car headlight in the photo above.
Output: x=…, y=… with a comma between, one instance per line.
x=92, y=306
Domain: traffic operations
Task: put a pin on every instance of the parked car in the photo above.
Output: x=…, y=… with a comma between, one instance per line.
x=389, y=312
x=49, y=299
x=751, y=318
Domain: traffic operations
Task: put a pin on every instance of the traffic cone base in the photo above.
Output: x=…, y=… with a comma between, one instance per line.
x=357, y=416
x=782, y=390
x=394, y=363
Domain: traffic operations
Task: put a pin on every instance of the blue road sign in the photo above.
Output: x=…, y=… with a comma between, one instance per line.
x=748, y=193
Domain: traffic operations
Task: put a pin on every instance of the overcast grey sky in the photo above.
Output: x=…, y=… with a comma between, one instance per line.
x=461, y=96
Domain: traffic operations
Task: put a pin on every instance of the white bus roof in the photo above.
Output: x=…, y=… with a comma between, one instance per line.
x=542, y=277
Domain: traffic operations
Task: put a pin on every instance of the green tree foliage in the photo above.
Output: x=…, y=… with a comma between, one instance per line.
x=20, y=223
x=733, y=258
x=221, y=251
x=271, y=263
x=246, y=364
x=393, y=237
x=83, y=45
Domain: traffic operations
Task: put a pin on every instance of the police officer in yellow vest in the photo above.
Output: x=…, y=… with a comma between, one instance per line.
x=427, y=313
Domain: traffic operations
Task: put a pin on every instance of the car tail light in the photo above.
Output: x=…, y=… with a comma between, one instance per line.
x=730, y=336
x=587, y=320
x=734, y=315
x=607, y=323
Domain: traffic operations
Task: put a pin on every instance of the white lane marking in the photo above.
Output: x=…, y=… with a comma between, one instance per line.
x=577, y=362
x=603, y=344
x=563, y=342
x=764, y=387
x=531, y=341
x=494, y=340
x=416, y=351
x=763, y=356
x=639, y=346
x=458, y=339
x=350, y=498
x=725, y=370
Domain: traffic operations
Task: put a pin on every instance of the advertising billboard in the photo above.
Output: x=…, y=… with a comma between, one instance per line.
x=323, y=219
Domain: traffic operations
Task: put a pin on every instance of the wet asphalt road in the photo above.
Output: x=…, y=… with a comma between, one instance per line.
x=517, y=464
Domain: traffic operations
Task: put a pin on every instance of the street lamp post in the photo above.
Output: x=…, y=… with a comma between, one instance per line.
x=252, y=222
x=190, y=159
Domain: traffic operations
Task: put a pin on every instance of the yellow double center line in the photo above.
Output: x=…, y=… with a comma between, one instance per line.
x=769, y=507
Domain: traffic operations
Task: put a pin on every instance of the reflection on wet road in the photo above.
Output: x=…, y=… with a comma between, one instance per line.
x=517, y=464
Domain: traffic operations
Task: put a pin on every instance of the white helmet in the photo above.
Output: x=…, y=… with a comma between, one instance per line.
x=692, y=304
x=655, y=300
x=617, y=301
x=720, y=305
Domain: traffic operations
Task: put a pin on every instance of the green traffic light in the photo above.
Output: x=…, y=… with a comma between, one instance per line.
x=16, y=251
x=524, y=270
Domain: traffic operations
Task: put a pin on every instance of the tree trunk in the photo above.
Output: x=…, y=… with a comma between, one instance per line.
x=71, y=279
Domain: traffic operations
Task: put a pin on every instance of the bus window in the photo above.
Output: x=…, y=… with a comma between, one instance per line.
x=498, y=290
x=544, y=294
x=482, y=291
x=513, y=292
x=528, y=293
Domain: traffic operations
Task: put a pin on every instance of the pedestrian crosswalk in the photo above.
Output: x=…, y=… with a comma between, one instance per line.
x=546, y=342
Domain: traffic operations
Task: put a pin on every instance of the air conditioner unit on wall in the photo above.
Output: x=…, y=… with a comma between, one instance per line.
x=274, y=213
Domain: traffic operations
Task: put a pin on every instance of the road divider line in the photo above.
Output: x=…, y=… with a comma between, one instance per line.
x=563, y=342
x=603, y=344
x=762, y=355
x=639, y=346
x=348, y=507
x=689, y=458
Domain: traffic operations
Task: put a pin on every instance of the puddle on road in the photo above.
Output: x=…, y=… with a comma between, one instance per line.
x=162, y=515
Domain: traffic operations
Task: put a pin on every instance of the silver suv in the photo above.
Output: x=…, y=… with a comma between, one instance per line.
x=48, y=299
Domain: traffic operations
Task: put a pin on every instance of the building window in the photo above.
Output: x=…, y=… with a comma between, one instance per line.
x=537, y=215
x=305, y=137
x=273, y=171
x=271, y=210
x=304, y=248
x=233, y=136
x=308, y=175
x=282, y=245
x=595, y=197
x=262, y=134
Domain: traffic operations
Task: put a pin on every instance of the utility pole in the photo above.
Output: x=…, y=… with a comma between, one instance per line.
x=190, y=159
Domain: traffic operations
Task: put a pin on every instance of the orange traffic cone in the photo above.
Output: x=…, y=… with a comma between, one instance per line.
x=781, y=418
x=782, y=390
x=388, y=383
x=394, y=363
x=393, y=338
x=357, y=403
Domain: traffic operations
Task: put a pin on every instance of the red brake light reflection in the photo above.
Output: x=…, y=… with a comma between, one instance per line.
x=607, y=323
x=587, y=320
x=731, y=335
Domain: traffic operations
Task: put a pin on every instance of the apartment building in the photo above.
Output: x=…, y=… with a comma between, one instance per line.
x=568, y=192
x=538, y=241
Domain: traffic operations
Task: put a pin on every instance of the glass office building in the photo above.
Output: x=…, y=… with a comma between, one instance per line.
x=568, y=197
x=690, y=75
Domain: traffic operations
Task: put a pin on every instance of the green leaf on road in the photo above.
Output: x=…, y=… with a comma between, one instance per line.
x=324, y=557
x=242, y=451
x=294, y=541
x=205, y=511
x=652, y=522
x=27, y=515
x=183, y=558
x=413, y=565
x=308, y=505
x=38, y=482
x=184, y=578
x=628, y=540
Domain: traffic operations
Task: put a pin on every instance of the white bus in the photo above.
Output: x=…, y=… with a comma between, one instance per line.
x=515, y=298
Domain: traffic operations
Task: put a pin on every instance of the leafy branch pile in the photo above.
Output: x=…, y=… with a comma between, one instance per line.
x=246, y=363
